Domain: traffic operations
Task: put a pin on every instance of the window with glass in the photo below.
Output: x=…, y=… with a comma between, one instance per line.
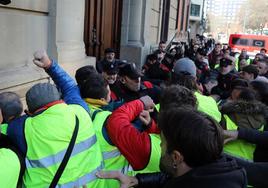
x=195, y=10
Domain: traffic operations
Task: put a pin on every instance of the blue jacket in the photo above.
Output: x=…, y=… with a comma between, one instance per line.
x=70, y=95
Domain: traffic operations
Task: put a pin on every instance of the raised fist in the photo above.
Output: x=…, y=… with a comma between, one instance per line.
x=41, y=59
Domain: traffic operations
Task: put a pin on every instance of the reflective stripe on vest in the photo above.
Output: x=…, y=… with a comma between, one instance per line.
x=82, y=180
x=113, y=159
x=238, y=148
x=48, y=135
x=111, y=154
x=57, y=158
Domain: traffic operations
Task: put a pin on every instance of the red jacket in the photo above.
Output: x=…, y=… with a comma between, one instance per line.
x=134, y=145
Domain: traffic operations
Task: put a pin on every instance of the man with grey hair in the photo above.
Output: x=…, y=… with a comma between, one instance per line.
x=53, y=129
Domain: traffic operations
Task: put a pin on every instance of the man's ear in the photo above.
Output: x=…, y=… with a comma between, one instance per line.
x=177, y=157
x=103, y=99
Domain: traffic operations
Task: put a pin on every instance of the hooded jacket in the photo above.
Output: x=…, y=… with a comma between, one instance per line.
x=221, y=174
x=249, y=116
x=246, y=114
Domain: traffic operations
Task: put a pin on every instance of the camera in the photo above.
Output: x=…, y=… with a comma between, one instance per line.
x=5, y=2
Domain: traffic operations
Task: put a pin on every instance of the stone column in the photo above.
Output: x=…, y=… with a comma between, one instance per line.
x=66, y=34
x=134, y=25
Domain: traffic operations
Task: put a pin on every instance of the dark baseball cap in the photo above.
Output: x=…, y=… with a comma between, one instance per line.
x=82, y=74
x=130, y=70
x=225, y=62
x=110, y=68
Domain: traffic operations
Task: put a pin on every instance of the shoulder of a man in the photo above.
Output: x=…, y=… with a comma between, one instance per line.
x=15, y=132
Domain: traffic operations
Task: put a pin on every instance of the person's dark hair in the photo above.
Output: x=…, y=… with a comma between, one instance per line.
x=263, y=49
x=10, y=105
x=218, y=44
x=261, y=89
x=152, y=57
x=168, y=61
x=239, y=83
x=259, y=54
x=251, y=69
x=83, y=73
x=177, y=96
x=247, y=94
x=109, y=50
x=185, y=80
x=228, y=49
x=94, y=87
x=195, y=135
x=162, y=42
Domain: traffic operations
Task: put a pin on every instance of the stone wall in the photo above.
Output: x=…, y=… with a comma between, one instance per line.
x=172, y=18
x=29, y=25
x=135, y=31
x=23, y=29
x=155, y=21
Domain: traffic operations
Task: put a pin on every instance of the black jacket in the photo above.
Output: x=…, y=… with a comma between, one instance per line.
x=221, y=174
x=258, y=138
x=256, y=172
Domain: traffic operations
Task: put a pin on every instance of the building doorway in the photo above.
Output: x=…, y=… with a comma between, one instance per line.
x=102, y=26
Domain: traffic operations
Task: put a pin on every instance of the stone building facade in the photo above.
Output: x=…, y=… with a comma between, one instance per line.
x=58, y=27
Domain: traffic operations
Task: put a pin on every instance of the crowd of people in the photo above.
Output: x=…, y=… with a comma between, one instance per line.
x=193, y=116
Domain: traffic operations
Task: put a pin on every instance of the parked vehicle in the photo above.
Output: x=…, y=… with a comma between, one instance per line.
x=252, y=43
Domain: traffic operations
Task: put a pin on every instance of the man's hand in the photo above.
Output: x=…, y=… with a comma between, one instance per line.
x=41, y=59
x=230, y=136
x=145, y=117
x=210, y=85
x=125, y=181
x=148, y=103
